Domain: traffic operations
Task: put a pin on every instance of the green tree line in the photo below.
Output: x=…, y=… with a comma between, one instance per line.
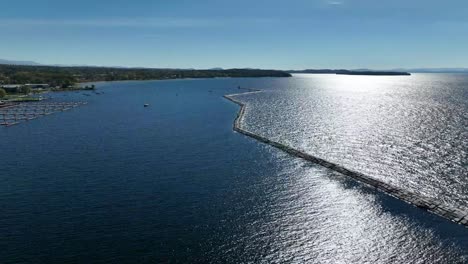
x=67, y=76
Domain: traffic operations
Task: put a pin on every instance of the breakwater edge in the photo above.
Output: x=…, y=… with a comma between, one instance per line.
x=456, y=215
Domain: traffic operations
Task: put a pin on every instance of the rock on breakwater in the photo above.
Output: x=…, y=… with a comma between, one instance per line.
x=454, y=214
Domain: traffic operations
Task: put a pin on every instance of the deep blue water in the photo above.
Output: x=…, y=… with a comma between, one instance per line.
x=114, y=182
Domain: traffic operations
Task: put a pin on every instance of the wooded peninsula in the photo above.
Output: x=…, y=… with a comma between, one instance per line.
x=351, y=72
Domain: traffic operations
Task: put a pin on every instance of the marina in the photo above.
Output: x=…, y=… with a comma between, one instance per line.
x=16, y=113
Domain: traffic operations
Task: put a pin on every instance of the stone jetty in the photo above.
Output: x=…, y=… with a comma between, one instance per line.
x=454, y=214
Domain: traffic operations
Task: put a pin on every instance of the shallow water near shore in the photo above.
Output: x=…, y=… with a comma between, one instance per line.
x=114, y=181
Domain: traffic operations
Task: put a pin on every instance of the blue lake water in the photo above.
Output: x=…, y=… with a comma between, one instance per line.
x=115, y=182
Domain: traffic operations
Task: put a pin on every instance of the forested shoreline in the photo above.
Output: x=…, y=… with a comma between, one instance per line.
x=63, y=77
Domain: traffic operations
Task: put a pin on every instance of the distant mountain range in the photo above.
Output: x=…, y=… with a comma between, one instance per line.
x=399, y=70
x=12, y=62
x=33, y=63
x=331, y=71
x=435, y=70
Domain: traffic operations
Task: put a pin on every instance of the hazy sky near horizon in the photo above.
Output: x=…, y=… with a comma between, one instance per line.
x=292, y=34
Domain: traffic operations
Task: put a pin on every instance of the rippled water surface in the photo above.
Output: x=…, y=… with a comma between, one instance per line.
x=114, y=182
x=409, y=131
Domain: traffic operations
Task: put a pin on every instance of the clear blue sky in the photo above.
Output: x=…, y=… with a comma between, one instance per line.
x=291, y=34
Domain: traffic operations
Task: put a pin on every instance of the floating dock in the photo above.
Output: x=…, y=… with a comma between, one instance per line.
x=453, y=214
x=16, y=113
